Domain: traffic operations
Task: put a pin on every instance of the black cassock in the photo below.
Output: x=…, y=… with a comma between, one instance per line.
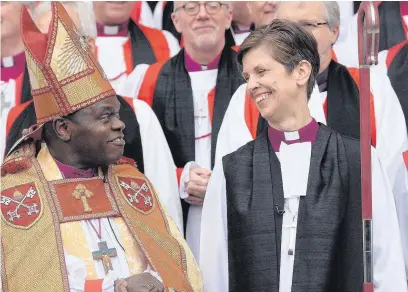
x=328, y=255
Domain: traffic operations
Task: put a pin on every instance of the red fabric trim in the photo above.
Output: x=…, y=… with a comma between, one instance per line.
x=235, y=48
x=19, y=87
x=179, y=171
x=356, y=77
x=149, y=83
x=392, y=52
x=211, y=97
x=127, y=51
x=14, y=113
x=158, y=42
x=251, y=115
x=405, y=156
x=93, y=285
x=136, y=12
x=404, y=25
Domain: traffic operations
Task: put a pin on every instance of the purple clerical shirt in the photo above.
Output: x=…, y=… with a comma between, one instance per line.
x=306, y=134
x=193, y=66
x=12, y=67
x=120, y=30
x=72, y=172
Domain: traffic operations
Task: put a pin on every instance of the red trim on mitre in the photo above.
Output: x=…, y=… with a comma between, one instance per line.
x=34, y=41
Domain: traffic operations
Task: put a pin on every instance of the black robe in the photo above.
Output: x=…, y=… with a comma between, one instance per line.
x=133, y=147
x=329, y=244
x=398, y=74
x=343, y=102
x=142, y=52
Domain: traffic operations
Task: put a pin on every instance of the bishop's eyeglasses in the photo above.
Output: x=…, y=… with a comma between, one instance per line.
x=192, y=8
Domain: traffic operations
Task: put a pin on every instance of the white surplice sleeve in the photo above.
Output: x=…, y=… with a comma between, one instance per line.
x=389, y=272
x=131, y=86
x=214, y=235
x=159, y=166
x=174, y=45
x=234, y=131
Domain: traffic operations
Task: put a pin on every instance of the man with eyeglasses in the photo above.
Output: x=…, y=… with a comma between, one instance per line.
x=334, y=102
x=189, y=94
x=122, y=44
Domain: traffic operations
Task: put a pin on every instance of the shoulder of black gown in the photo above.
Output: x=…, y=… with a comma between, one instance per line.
x=133, y=139
x=398, y=72
x=25, y=120
x=142, y=51
x=26, y=87
x=244, y=151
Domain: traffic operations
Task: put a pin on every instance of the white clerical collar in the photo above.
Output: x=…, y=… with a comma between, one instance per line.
x=291, y=136
x=111, y=29
x=7, y=62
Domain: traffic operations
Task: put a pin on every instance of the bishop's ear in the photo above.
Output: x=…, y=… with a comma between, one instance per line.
x=62, y=129
x=302, y=72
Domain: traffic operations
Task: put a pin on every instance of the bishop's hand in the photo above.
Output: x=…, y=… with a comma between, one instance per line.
x=143, y=282
x=197, y=185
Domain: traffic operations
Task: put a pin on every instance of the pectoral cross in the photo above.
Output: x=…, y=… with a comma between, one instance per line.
x=105, y=254
x=83, y=194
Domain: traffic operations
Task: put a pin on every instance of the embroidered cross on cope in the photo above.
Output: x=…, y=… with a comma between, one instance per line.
x=83, y=194
x=105, y=254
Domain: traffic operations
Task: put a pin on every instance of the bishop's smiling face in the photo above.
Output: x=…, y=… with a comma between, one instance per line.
x=269, y=84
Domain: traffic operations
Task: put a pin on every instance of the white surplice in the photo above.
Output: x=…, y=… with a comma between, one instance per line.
x=8, y=100
x=202, y=127
x=153, y=19
x=159, y=166
x=387, y=251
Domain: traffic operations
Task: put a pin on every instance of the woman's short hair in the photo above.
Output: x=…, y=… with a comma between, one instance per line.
x=289, y=42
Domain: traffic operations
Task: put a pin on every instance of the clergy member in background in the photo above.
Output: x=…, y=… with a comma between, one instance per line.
x=91, y=214
x=122, y=44
x=262, y=12
x=189, y=94
x=393, y=31
x=12, y=63
x=283, y=212
x=155, y=14
x=335, y=102
x=145, y=141
x=241, y=24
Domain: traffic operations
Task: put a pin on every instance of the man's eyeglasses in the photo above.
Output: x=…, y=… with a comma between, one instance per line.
x=192, y=8
x=311, y=24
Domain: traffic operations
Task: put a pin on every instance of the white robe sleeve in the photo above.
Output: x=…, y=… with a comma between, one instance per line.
x=158, y=162
x=234, y=131
x=133, y=82
x=392, y=142
x=389, y=272
x=214, y=235
x=174, y=45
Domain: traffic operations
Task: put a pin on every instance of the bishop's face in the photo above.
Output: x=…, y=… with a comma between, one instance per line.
x=311, y=15
x=269, y=84
x=113, y=12
x=262, y=12
x=10, y=19
x=96, y=133
x=203, y=23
